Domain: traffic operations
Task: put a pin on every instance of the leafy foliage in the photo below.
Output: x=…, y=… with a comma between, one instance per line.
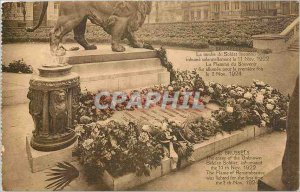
x=62, y=175
x=18, y=66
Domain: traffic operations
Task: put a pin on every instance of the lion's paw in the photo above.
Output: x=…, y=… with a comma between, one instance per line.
x=90, y=47
x=118, y=48
x=137, y=45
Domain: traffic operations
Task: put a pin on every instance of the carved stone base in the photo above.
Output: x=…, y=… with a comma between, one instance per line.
x=40, y=161
x=53, y=104
x=53, y=143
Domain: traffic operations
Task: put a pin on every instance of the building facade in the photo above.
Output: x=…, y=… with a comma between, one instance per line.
x=186, y=11
x=28, y=13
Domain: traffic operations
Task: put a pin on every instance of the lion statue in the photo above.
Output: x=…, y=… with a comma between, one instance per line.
x=119, y=19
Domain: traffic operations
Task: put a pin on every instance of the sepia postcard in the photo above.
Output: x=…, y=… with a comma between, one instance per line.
x=150, y=95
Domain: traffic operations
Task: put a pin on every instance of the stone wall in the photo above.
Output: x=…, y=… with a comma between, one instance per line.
x=236, y=32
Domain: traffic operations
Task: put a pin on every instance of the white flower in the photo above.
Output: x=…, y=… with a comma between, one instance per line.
x=269, y=88
x=240, y=89
x=144, y=137
x=275, y=98
x=247, y=95
x=269, y=92
x=95, y=132
x=232, y=93
x=180, y=78
x=265, y=117
x=229, y=109
x=206, y=83
x=170, y=88
x=277, y=112
x=270, y=106
x=259, y=83
x=146, y=128
x=259, y=98
x=108, y=156
x=87, y=144
x=219, y=86
x=263, y=123
x=263, y=91
x=254, y=90
x=177, y=122
x=168, y=135
x=228, y=86
x=114, y=142
x=164, y=126
x=240, y=93
x=211, y=90
x=212, y=119
x=212, y=83
x=271, y=101
x=201, y=90
x=256, y=113
x=79, y=129
x=187, y=87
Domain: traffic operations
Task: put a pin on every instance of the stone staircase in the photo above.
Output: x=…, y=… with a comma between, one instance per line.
x=294, y=46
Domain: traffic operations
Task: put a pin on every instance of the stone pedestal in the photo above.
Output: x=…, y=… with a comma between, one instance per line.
x=53, y=103
x=111, y=71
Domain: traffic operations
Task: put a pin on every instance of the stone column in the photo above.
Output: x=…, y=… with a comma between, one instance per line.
x=53, y=96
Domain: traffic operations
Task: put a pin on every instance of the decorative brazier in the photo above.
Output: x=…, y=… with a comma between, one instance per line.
x=53, y=103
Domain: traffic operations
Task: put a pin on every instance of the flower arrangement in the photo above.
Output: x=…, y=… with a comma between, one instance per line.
x=87, y=112
x=117, y=148
x=125, y=148
x=259, y=105
x=202, y=129
x=133, y=147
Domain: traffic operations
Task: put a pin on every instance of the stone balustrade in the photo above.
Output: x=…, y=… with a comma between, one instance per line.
x=278, y=42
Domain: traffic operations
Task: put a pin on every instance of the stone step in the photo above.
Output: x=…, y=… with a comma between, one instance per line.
x=97, y=76
x=94, y=56
x=111, y=71
x=115, y=67
x=294, y=46
x=125, y=81
x=291, y=49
